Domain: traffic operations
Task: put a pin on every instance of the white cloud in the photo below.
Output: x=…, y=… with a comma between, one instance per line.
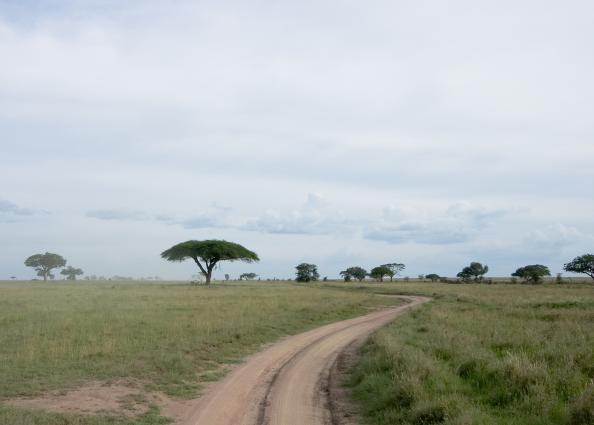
x=314, y=217
x=555, y=236
x=117, y=215
x=9, y=208
x=455, y=224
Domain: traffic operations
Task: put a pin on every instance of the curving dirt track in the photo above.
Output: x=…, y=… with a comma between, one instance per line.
x=288, y=383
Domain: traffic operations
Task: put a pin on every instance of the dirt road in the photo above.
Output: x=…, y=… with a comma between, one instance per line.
x=288, y=383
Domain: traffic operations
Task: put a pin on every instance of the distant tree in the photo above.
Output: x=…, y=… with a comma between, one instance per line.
x=475, y=270
x=71, y=272
x=355, y=272
x=421, y=277
x=380, y=271
x=227, y=276
x=307, y=272
x=45, y=263
x=207, y=254
x=433, y=277
x=465, y=275
x=582, y=264
x=12, y=277
x=559, y=279
x=325, y=279
x=248, y=276
x=532, y=273
x=394, y=268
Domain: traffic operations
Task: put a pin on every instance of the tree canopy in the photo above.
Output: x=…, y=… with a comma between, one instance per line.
x=208, y=253
x=532, y=273
x=380, y=271
x=355, y=272
x=45, y=263
x=394, y=269
x=432, y=277
x=306, y=272
x=582, y=264
x=474, y=270
x=71, y=272
x=248, y=276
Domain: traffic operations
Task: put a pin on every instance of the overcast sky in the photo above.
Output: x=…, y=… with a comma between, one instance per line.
x=335, y=132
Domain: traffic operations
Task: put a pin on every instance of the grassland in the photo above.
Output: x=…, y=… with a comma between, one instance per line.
x=482, y=354
x=55, y=336
x=478, y=354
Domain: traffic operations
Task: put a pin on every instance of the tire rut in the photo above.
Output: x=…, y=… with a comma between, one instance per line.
x=292, y=381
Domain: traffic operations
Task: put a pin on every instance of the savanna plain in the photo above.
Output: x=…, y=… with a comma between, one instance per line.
x=476, y=354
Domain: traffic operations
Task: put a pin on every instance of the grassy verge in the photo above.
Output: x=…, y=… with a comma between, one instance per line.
x=56, y=336
x=482, y=354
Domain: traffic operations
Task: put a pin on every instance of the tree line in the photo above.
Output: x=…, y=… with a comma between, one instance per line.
x=207, y=254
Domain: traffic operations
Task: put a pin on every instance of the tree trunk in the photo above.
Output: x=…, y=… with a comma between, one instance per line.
x=206, y=272
x=209, y=268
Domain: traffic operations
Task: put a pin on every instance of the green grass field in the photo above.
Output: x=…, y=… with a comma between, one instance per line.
x=482, y=354
x=55, y=336
x=477, y=354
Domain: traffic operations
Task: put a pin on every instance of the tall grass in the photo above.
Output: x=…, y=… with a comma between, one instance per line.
x=483, y=354
x=55, y=336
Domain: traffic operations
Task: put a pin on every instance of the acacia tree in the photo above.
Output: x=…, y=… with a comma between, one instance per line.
x=207, y=254
x=475, y=270
x=346, y=276
x=582, y=264
x=71, y=272
x=45, y=263
x=394, y=268
x=356, y=272
x=433, y=277
x=307, y=272
x=532, y=273
x=379, y=272
x=248, y=276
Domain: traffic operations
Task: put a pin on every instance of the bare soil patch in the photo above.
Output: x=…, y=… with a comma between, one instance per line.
x=119, y=398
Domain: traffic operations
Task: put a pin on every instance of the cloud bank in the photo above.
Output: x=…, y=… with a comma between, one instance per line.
x=426, y=133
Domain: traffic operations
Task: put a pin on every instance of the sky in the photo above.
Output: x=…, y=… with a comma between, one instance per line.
x=339, y=133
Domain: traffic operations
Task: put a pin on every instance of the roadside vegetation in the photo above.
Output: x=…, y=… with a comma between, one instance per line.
x=482, y=354
x=169, y=336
